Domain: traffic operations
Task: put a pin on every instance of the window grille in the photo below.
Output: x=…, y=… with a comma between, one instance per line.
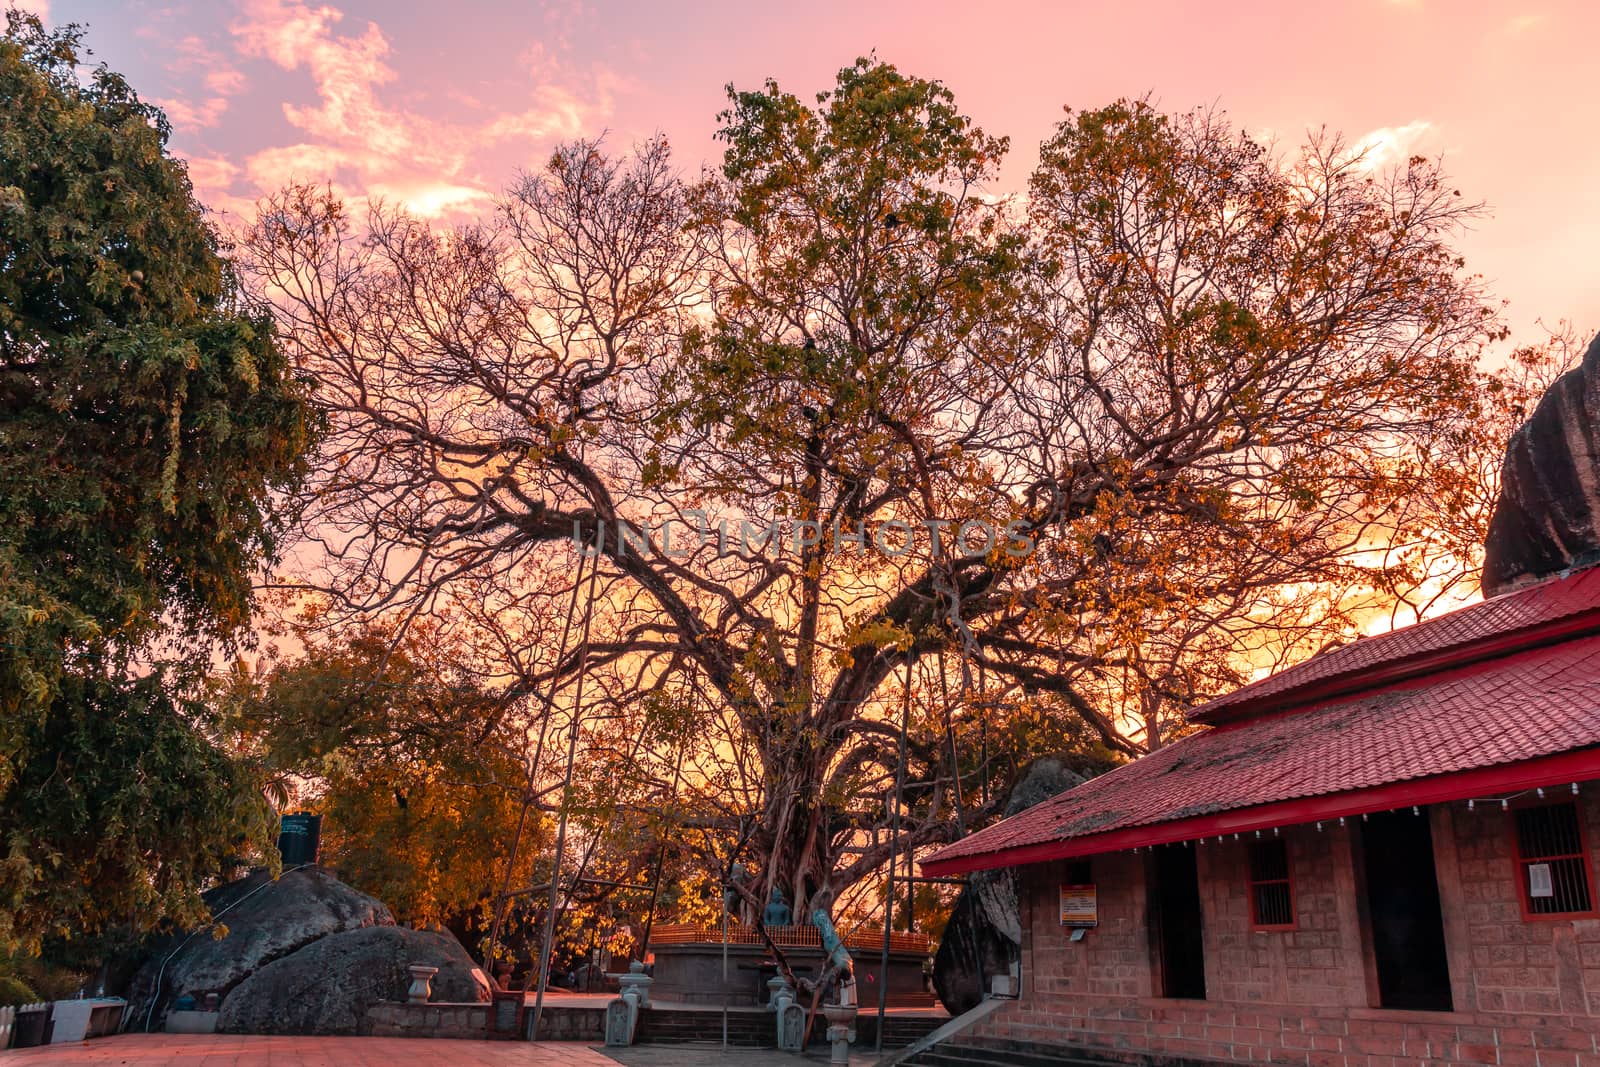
x=1271, y=895
x=1551, y=861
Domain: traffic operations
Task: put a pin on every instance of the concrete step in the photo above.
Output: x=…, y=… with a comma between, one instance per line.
x=970, y=1052
x=757, y=1029
x=658, y=1026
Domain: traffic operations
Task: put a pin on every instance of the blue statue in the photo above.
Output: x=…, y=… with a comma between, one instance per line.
x=838, y=955
x=777, y=911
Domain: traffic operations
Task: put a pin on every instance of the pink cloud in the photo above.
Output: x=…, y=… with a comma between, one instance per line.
x=366, y=143
x=219, y=78
x=273, y=168
x=346, y=70
x=185, y=114
x=211, y=172
x=226, y=81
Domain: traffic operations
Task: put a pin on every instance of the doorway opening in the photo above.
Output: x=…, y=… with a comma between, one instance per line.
x=1403, y=912
x=1175, y=928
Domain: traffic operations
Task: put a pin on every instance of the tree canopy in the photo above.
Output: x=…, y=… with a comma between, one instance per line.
x=911, y=455
x=153, y=432
x=419, y=777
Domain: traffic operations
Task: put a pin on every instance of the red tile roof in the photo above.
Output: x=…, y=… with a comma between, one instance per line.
x=1501, y=700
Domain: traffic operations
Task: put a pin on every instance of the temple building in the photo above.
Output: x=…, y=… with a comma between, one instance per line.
x=1381, y=855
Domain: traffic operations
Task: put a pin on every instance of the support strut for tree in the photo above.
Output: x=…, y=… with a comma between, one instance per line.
x=894, y=859
x=566, y=804
x=661, y=843
x=504, y=897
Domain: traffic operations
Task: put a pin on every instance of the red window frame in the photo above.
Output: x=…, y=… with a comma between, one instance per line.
x=1287, y=881
x=1520, y=864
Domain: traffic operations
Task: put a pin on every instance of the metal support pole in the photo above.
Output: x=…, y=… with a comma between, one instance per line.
x=983, y=722
x=950, y=736
x=661, y=846
x=566, y=802
x=724, y=972
x=894, y=856
x=533, y=769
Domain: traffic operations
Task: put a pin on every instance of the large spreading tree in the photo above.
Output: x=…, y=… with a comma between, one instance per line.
x=150, y=431
x=1174, y=398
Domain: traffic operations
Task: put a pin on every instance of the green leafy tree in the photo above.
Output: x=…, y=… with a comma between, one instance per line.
x=149, y=428
x=416, y=769
x=121, y=809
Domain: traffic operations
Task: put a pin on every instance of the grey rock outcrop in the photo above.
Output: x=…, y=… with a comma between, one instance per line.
x=984, y=934
x=1548, y=516
x=328, y=986
x=264, y=921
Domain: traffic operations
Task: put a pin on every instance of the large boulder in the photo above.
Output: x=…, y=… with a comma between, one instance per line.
x=328, y=986
x=1548, y=516
x=259, y=920
x=984, y=934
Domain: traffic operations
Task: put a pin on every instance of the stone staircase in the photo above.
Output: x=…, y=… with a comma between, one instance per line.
x=693, y=1026
x=899, y=1030
x=962, y=1051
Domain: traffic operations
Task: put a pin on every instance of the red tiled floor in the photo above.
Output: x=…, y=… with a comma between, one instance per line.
x=228, y=1050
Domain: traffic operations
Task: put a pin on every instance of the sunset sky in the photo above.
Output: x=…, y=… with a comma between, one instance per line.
x=440, y=104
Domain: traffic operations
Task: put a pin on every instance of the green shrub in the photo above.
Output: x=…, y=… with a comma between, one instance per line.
x=15, y=991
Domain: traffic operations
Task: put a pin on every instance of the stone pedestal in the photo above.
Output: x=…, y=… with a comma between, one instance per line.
x=421, y=983
x=841, y=1021
x=636, y=981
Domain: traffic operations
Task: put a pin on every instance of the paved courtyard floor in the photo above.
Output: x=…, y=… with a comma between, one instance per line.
x=227, y=1050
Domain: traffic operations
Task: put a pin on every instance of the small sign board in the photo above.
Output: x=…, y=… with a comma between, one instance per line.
x=506, y=1012
x=1079, y=906
x=1539, y=881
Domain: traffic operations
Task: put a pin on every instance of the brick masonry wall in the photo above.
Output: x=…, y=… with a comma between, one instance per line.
x=1526, y=991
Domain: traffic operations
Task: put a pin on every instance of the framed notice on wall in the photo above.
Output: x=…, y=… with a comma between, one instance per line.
x=1079, y=906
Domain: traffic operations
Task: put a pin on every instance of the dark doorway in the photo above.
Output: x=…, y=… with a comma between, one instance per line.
x=1175, y=922
x=1403, y=905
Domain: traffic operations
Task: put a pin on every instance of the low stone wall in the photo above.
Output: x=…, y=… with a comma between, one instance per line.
x=568, y=1023
x=390, y=1019
x=692, y=973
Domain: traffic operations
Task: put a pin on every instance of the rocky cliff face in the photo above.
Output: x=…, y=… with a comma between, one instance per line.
x=1548, y=515
x=275, y=935
x=328, y=986
x=984, y=935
